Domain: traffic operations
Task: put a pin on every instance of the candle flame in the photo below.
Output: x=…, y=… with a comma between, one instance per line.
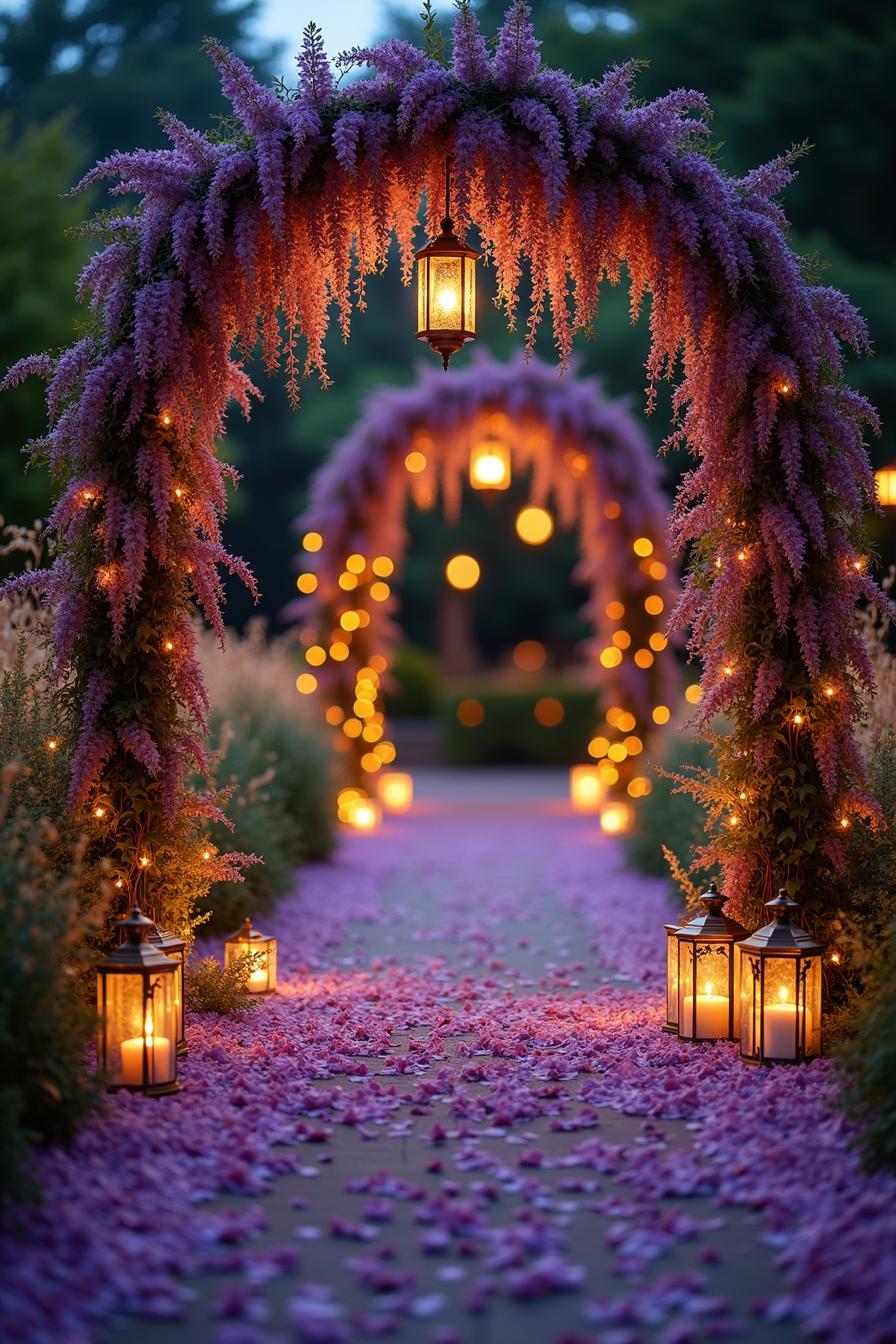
x=782, y=995
x=147, y=1025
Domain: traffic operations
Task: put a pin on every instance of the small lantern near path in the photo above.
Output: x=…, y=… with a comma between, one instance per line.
x=249, y=941
x=705, y=971
x=136, y=1000
x=780, y=990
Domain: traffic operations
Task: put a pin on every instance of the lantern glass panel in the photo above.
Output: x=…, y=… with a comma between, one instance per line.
x=139, y=1029
x=671, y=977
x=422, y=291
x=263, y=975
x=470, y=295
x=445, y=279
x=704, y=979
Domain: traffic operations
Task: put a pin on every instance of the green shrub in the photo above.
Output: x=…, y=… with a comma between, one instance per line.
x=213, y=988
x=281, y=808
x=510, y=733
x=415, y=677
x=666, y=818
x=45, y=1018
x=870, y=1059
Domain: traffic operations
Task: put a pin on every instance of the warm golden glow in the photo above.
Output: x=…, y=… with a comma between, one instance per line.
x=586, y=788
x=610, y=657
x=693, y=694
x=662, y=714
x=415, y=463
x=534, y=525
x=885, y=479
x=622, y=639
x=616, y=818
x=312, y=541
x=349, y=620
x=470, y=713
x=364, y=814
x=529, y=655
x=653, y=605
x=643, y=658
x=306, y=583
x=396, y=790
x=657, y=642
x=462, y=572
x=612, y=509
x=598, y=747
x=306, y=683
x=316, y=656
x=380, y=591
x=490, y=465
x=615, y=611
x=642, y=546
x=549, y=711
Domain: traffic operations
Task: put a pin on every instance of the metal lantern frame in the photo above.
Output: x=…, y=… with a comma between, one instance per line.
x=176, y=948
x=246, y=940
x=710, y=933
x=780, y=956
x=446, y=341
x=141, y=959
x=671, y=1023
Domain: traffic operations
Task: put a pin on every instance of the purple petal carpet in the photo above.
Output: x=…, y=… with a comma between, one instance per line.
x=458, y=1109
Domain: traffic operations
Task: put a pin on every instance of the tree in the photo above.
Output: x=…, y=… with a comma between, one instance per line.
x=38, y=264
x=114, y=62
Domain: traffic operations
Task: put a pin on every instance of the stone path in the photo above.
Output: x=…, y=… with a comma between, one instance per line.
x=458, y=1122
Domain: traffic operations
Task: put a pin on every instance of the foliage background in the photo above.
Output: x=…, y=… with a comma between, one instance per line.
x=77, y=81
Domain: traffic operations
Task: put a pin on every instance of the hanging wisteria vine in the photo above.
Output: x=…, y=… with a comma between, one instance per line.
x=251, y=236
x=586, y=455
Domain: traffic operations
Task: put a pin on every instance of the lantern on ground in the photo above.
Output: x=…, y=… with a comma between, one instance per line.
x=135, y=991
x=396, y=790
x=671, y=1023
x=249, y=941
x=586, y=788
x=780, y=990
x=446, y=287
x=705, y=970
x=885, y=480
x=364, y=814
x=176, y=949
x=617, y=818
x=490, y=465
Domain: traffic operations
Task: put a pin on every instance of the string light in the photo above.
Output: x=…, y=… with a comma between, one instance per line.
x=741, y=555
x=165, y=419
x=99, y=813
x=797, y=719
x=52, y=744
x=356, y=564
x=844, y=823
x=610, y=657
x=206, y=854
x=829, y=691
x=733, y=820
x=347, y=581
x=316, y=656
x=349, y=620
x=654, y=604
x=382, y=566
x=662, y=714
x=144, y=860
x=615, y=611
x=657, y=642
x=178, y=492
x=168, y=645
x=379, y=591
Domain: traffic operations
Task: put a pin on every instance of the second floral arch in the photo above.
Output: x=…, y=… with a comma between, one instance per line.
x=587, y=460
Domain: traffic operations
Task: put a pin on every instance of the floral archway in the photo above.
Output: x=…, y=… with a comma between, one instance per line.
x=588, y=460
x=250, y=236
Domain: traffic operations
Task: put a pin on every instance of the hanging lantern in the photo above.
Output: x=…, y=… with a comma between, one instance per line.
x=262, y=947
x=490, y=465
x=586, y=788
x=705, y=971
x=885, y=479
x=671, y=1023
x=135, y=991
x=446, y=287
x=780, y=990
x=396, y=790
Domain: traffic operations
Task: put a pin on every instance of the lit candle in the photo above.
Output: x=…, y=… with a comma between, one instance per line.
x=160, y=1062
x=782, y=1033
x=712, y=1014
x=616, y=818
x=258, y=979
x=364, y=814
x=396, y=790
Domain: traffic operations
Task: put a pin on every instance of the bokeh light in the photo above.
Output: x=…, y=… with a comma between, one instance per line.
x=462, y=572
x=534, y=525
x=549, y=711
x=529, y=655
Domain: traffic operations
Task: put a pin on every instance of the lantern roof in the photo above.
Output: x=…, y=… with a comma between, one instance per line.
x=710, y=924
x=137, y=952
x=247, y=933
x=447, y=244
x=782, y=934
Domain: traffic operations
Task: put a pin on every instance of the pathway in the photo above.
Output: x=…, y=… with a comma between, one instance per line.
x=459, y=1121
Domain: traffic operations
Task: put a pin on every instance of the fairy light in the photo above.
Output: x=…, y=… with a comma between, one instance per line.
x=615, y=611
x=797, y=719
x=829, y=691
x=356, y=564
x=178, y=492
x=844, y=823
x=657, y=642
x=622, y=639
x=306, y=683
x=728, y=670
x=742, y=555
x=99, y=812
x=379, y=591
x=610, y=657
x=654, y=604
x=382, y=566
x=784, y=388
x=52, y=744
x=642, y=546
x=718, y=562
x=306, y=583
x=347, y=581
x=206, y=854
x=168, y=645
x=662, y=714
x=733, y=820
x=835, y=958
x=144, y=860
x=316, y=656
x=166, y=420
x=312, y=541
x=415, y=462
x=349, y=620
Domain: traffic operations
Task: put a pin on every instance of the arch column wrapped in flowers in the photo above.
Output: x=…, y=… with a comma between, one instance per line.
x=286, y=212
x=587, y=457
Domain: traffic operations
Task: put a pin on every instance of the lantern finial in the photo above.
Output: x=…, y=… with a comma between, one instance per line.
x=714, y=899
x=782, y=907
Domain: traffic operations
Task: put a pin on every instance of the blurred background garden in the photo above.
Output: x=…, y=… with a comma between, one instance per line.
x=82, y=78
